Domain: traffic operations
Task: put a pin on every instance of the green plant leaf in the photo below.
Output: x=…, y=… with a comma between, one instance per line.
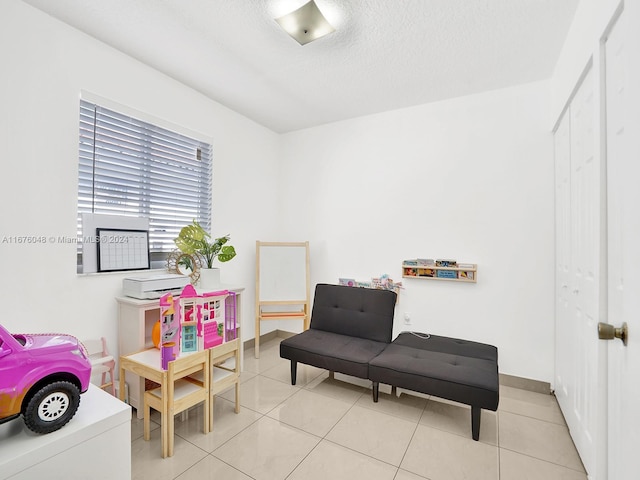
x=227, y=253
x=193, y=239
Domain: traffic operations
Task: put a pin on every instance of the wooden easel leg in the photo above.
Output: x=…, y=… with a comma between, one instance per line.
x=257, y=339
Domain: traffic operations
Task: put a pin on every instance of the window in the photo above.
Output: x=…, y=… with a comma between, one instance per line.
x=134, y=168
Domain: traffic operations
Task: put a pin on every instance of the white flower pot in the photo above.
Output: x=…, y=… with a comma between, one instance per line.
x=209, y=280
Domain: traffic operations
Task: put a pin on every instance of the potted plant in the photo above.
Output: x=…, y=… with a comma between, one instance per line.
x=194, y=240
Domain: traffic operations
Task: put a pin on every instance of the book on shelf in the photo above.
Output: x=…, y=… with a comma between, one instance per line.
x=445, y=263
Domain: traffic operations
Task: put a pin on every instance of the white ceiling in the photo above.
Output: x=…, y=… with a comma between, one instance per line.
x=385, y=54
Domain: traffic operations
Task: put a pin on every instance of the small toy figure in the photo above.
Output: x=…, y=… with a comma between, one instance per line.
x=169, y=329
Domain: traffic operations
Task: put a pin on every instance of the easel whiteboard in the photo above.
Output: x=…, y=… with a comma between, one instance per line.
x=282, y=283
x=282, y=271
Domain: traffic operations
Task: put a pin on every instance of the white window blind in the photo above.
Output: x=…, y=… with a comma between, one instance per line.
x=131, y=167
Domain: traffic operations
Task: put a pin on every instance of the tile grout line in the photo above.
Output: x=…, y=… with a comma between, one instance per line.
x=424, y=407
x=543, y=460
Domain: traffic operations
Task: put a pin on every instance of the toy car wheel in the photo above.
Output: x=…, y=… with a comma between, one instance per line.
x=51, y=407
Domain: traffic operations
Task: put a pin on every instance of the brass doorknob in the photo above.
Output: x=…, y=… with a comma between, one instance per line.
x=609, y=332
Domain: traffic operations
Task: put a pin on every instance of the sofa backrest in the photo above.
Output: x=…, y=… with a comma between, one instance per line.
x=357, y=312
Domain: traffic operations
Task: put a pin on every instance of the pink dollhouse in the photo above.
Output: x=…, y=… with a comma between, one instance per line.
x=193, y=322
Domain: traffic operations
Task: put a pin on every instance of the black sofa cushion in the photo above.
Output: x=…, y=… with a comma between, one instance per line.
x=332, y=351
x=450, y=368
x=349, y=327
x=355, y=312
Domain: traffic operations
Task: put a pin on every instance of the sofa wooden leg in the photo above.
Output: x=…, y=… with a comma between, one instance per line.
x=294, y=371
x=475, y=422
x=376, y=389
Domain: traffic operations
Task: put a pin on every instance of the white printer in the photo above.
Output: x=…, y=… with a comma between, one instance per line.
x=154, y=286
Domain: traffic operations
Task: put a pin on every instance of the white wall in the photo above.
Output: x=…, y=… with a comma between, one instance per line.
x=469, y=179
x=45, y=65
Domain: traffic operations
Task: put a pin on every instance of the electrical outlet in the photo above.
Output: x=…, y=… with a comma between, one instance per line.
x=407, y=318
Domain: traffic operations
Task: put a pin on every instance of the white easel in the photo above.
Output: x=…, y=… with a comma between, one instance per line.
x=282, y=283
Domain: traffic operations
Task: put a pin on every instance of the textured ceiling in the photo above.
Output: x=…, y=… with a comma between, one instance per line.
x=385, y=54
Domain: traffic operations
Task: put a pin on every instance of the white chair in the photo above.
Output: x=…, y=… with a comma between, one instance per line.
x=101, y=363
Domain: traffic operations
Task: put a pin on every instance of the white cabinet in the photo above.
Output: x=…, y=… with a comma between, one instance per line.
x=136, y=319
x=95, y=444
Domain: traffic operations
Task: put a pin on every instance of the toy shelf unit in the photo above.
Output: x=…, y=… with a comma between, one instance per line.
x=449, y=270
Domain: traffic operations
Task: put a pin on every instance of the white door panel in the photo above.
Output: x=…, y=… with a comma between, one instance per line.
x=578, y=217
x=564, y=299
x=622, y=54
x=584, y=265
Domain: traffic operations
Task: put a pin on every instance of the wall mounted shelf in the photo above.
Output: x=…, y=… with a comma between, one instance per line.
x=463, y=272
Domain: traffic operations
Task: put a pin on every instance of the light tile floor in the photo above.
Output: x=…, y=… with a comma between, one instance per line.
x=328, y=429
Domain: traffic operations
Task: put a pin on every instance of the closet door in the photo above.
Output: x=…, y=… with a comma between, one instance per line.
x=578, y=352
x=585, y=270
x=622, y=53
x=564, y=298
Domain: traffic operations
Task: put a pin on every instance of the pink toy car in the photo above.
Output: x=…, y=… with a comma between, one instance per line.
x=41, y=378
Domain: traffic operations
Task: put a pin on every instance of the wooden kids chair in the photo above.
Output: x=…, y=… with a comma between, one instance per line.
x=224, y=361
x=177, y=394
x=101, y=362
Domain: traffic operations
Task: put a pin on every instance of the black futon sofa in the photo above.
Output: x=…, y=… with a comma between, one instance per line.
x=349, y=328
x=350, y=333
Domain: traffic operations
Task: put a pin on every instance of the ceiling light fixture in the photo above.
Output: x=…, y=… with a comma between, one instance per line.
x=306, y=24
